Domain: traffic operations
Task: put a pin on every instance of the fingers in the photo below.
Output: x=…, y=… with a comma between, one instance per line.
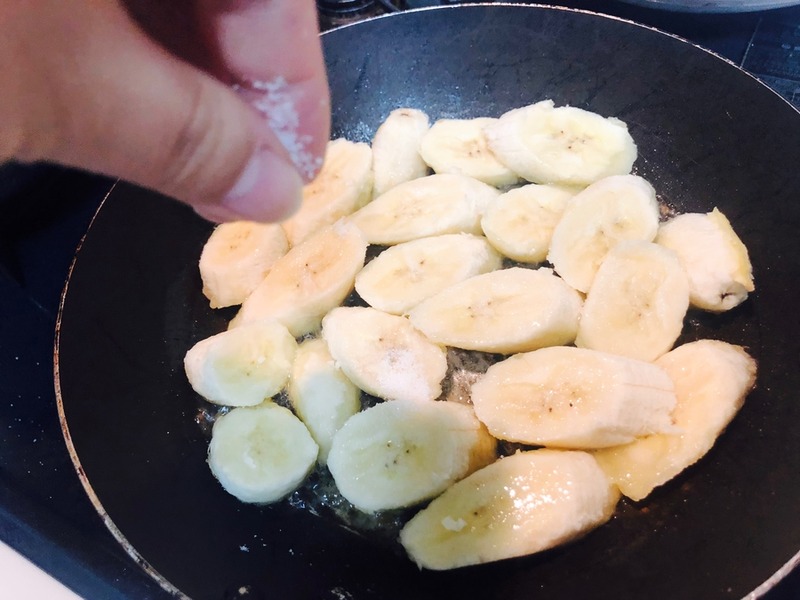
x=93, y=91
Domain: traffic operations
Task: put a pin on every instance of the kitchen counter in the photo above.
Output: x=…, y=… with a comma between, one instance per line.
x=44, y=513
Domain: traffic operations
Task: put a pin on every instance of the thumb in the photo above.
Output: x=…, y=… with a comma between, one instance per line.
x=103, y=96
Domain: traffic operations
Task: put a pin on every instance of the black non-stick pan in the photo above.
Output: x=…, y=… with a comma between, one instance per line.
x=708, y=135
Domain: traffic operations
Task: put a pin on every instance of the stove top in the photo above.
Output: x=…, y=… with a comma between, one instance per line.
x=44, y=512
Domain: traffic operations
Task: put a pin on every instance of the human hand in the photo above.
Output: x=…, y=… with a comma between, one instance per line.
x=222, y=104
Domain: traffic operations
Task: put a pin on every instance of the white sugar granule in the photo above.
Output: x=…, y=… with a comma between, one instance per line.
x=274, y=101
x=400, y=377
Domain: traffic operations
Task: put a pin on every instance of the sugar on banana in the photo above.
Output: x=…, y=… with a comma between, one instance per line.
x=397, y=454
x=520, y=504
x=404, y=275
x=236, y=258
x=395, y=149
x=567, y=397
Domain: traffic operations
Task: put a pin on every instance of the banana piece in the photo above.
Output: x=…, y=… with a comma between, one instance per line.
x=402, y=276
x=545, y=144
x=459, y=146
x=395, y=149
x=613, y=209
x=383, y=354
x=236, y=258
x=566, y=397
x=309, y=280
x=711, y=379
x=397, y=454
x=520, y=223
x=506, y=311
x=426, y=206
x=715, y=259
x=261, y=454
x=243, y=366
x=343, y=185
x=320, y=394
x=637, y=302
x=521, y=504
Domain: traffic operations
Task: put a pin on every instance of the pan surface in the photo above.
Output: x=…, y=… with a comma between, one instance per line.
x=708, y=135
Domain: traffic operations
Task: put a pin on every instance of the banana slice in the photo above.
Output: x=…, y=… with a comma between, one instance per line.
x=402, y=276
x=715, y=259
x=383, y=354
x=243, y=366
x=343, y=185
x=321, y=395
x=427, y=206
x=309, y=280
x=511, y=310
x=613, y=209
x=261, y=454
x=236, y=258
x=545, y=144
x=395, y=149
x=637, y=302
x=397, y=454
x=711, y=379
x=519, y=505
x=520, y=223
x=459, y=146
x=567, y=397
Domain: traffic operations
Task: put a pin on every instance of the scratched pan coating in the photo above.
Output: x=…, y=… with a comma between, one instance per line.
x=708, y=135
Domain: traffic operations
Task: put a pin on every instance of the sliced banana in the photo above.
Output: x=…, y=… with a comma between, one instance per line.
x=511, y=310
x=261, y=454
x=395, y=149
x=383, y=354
x=427, y=206
x=243, y=366
x=545, y=144
x=518, y=505
x=637, y=302
x=236, y=258
x=605, y=213
x=459, y=146
x=520, y=223
x=343, y=185
x=711, y=379
x=567, y=397
x=715, y=259
x=402, y=276
x=321, y=395
x=397, y=454
x=309, y=280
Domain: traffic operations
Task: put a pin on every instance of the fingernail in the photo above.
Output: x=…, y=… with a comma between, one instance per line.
x=269, y=189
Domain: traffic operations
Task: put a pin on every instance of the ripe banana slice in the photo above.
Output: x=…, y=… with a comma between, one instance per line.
x=613, y=209
x=404, y=275
x=397, y=454
x=236, y=258
x=506, y=311
x=395, y=149
x=637, y=302
x=521, y=504
x=309, y=280
x=261, y=454
x=520, y=223
x=243, y=366
x=459, y=146
x=383, y=354
x=343, y=185
x=711, y=379
x=715, y=259
x=427, y=206
x=545, y=144
x=567, y=397
x=321, y=395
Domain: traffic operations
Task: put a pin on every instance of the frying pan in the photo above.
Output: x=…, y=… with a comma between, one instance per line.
x=708, y=134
